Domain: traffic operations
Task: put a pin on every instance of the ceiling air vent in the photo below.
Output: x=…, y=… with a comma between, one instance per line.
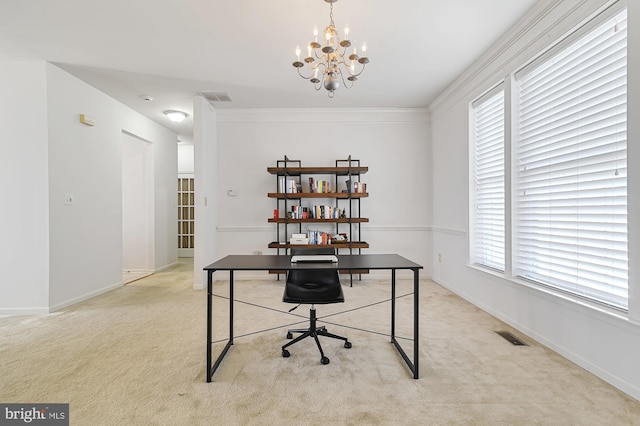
x=216, y=96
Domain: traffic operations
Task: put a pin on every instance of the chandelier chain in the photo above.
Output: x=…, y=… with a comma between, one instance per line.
x=331, y=24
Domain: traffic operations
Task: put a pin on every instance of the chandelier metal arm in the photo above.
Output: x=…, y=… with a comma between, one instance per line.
x=348, y=85
x=314, y=74
x=351, y=70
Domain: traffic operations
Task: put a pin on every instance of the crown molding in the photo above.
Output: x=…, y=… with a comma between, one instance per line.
x=545, y=23
x=346, y=115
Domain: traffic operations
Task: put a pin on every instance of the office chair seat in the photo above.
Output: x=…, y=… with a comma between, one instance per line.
x=313, y=287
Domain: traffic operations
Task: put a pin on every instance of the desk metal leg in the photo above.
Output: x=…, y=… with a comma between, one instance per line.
x=231, y=307
x=416, y=321
x=393, y=305
x=212, y=369
x=413, y=366
x=209, y=331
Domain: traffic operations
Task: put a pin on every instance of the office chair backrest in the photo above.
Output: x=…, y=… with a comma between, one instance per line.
x=314, y=286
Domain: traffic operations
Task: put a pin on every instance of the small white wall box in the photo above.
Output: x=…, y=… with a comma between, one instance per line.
x=86, y=120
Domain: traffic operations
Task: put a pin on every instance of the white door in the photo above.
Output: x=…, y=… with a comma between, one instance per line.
x=137, y=208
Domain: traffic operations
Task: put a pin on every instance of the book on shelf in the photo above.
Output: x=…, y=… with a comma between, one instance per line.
x=293, y=187
x=326, y=212
x=299, y=212
x=318, y=237
x=355, y=187
x=316, y=212
x=319, y=186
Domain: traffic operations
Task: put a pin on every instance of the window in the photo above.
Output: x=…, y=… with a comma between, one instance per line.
x=567, y=196
x=488, y=184
x=570, y=223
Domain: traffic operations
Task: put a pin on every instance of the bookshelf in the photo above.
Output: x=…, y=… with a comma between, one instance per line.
x=321, y=203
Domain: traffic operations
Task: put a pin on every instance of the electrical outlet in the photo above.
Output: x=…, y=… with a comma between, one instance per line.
x=439, y=257
x=257, y=253
x=68, y=199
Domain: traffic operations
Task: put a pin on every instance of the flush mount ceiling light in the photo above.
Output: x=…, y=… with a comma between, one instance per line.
x=175, y=116
x=331, y=61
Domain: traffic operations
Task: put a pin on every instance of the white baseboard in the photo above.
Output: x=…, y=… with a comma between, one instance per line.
x=616, y=381
x=84, y=297
x=23, y=311
x=164, y=268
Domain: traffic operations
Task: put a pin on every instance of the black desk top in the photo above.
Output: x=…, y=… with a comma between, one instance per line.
x=283, y=262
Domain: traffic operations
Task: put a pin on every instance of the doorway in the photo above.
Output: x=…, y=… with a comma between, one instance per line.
x=137, y=208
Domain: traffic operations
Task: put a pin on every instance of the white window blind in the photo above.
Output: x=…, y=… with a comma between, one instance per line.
x=488, y=215
x=571, y=224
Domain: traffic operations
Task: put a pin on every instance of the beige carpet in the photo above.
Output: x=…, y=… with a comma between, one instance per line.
x=136, y=356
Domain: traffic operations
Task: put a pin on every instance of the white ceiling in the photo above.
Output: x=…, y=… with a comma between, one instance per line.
x=173, y=49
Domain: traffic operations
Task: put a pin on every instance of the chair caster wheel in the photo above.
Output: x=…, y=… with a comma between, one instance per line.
x=285, y=353
x=324, y=360
x=289, y=336
x=347, y=345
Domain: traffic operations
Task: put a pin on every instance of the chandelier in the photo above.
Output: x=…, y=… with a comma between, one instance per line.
x=331, y=62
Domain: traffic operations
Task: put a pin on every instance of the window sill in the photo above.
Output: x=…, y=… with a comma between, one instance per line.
x=611, y=315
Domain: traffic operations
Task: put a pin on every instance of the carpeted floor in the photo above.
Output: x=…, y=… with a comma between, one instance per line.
x=136, y=356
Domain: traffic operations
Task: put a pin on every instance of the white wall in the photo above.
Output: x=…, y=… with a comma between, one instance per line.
x=186, y=158
x=394, y=144
x=165, y=166
x=86, y=238
x=24, y=215
x=605, y=343
x=62, y=254
x=206, y=166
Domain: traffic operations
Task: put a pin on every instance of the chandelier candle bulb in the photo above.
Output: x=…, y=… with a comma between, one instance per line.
x=298, y=52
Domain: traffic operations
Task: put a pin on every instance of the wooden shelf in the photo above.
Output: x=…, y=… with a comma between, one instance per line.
x=297, y=195
x=339, y=220
x=354, y=244
x=297, y=171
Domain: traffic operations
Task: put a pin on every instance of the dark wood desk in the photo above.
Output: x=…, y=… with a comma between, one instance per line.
x=392, y=262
